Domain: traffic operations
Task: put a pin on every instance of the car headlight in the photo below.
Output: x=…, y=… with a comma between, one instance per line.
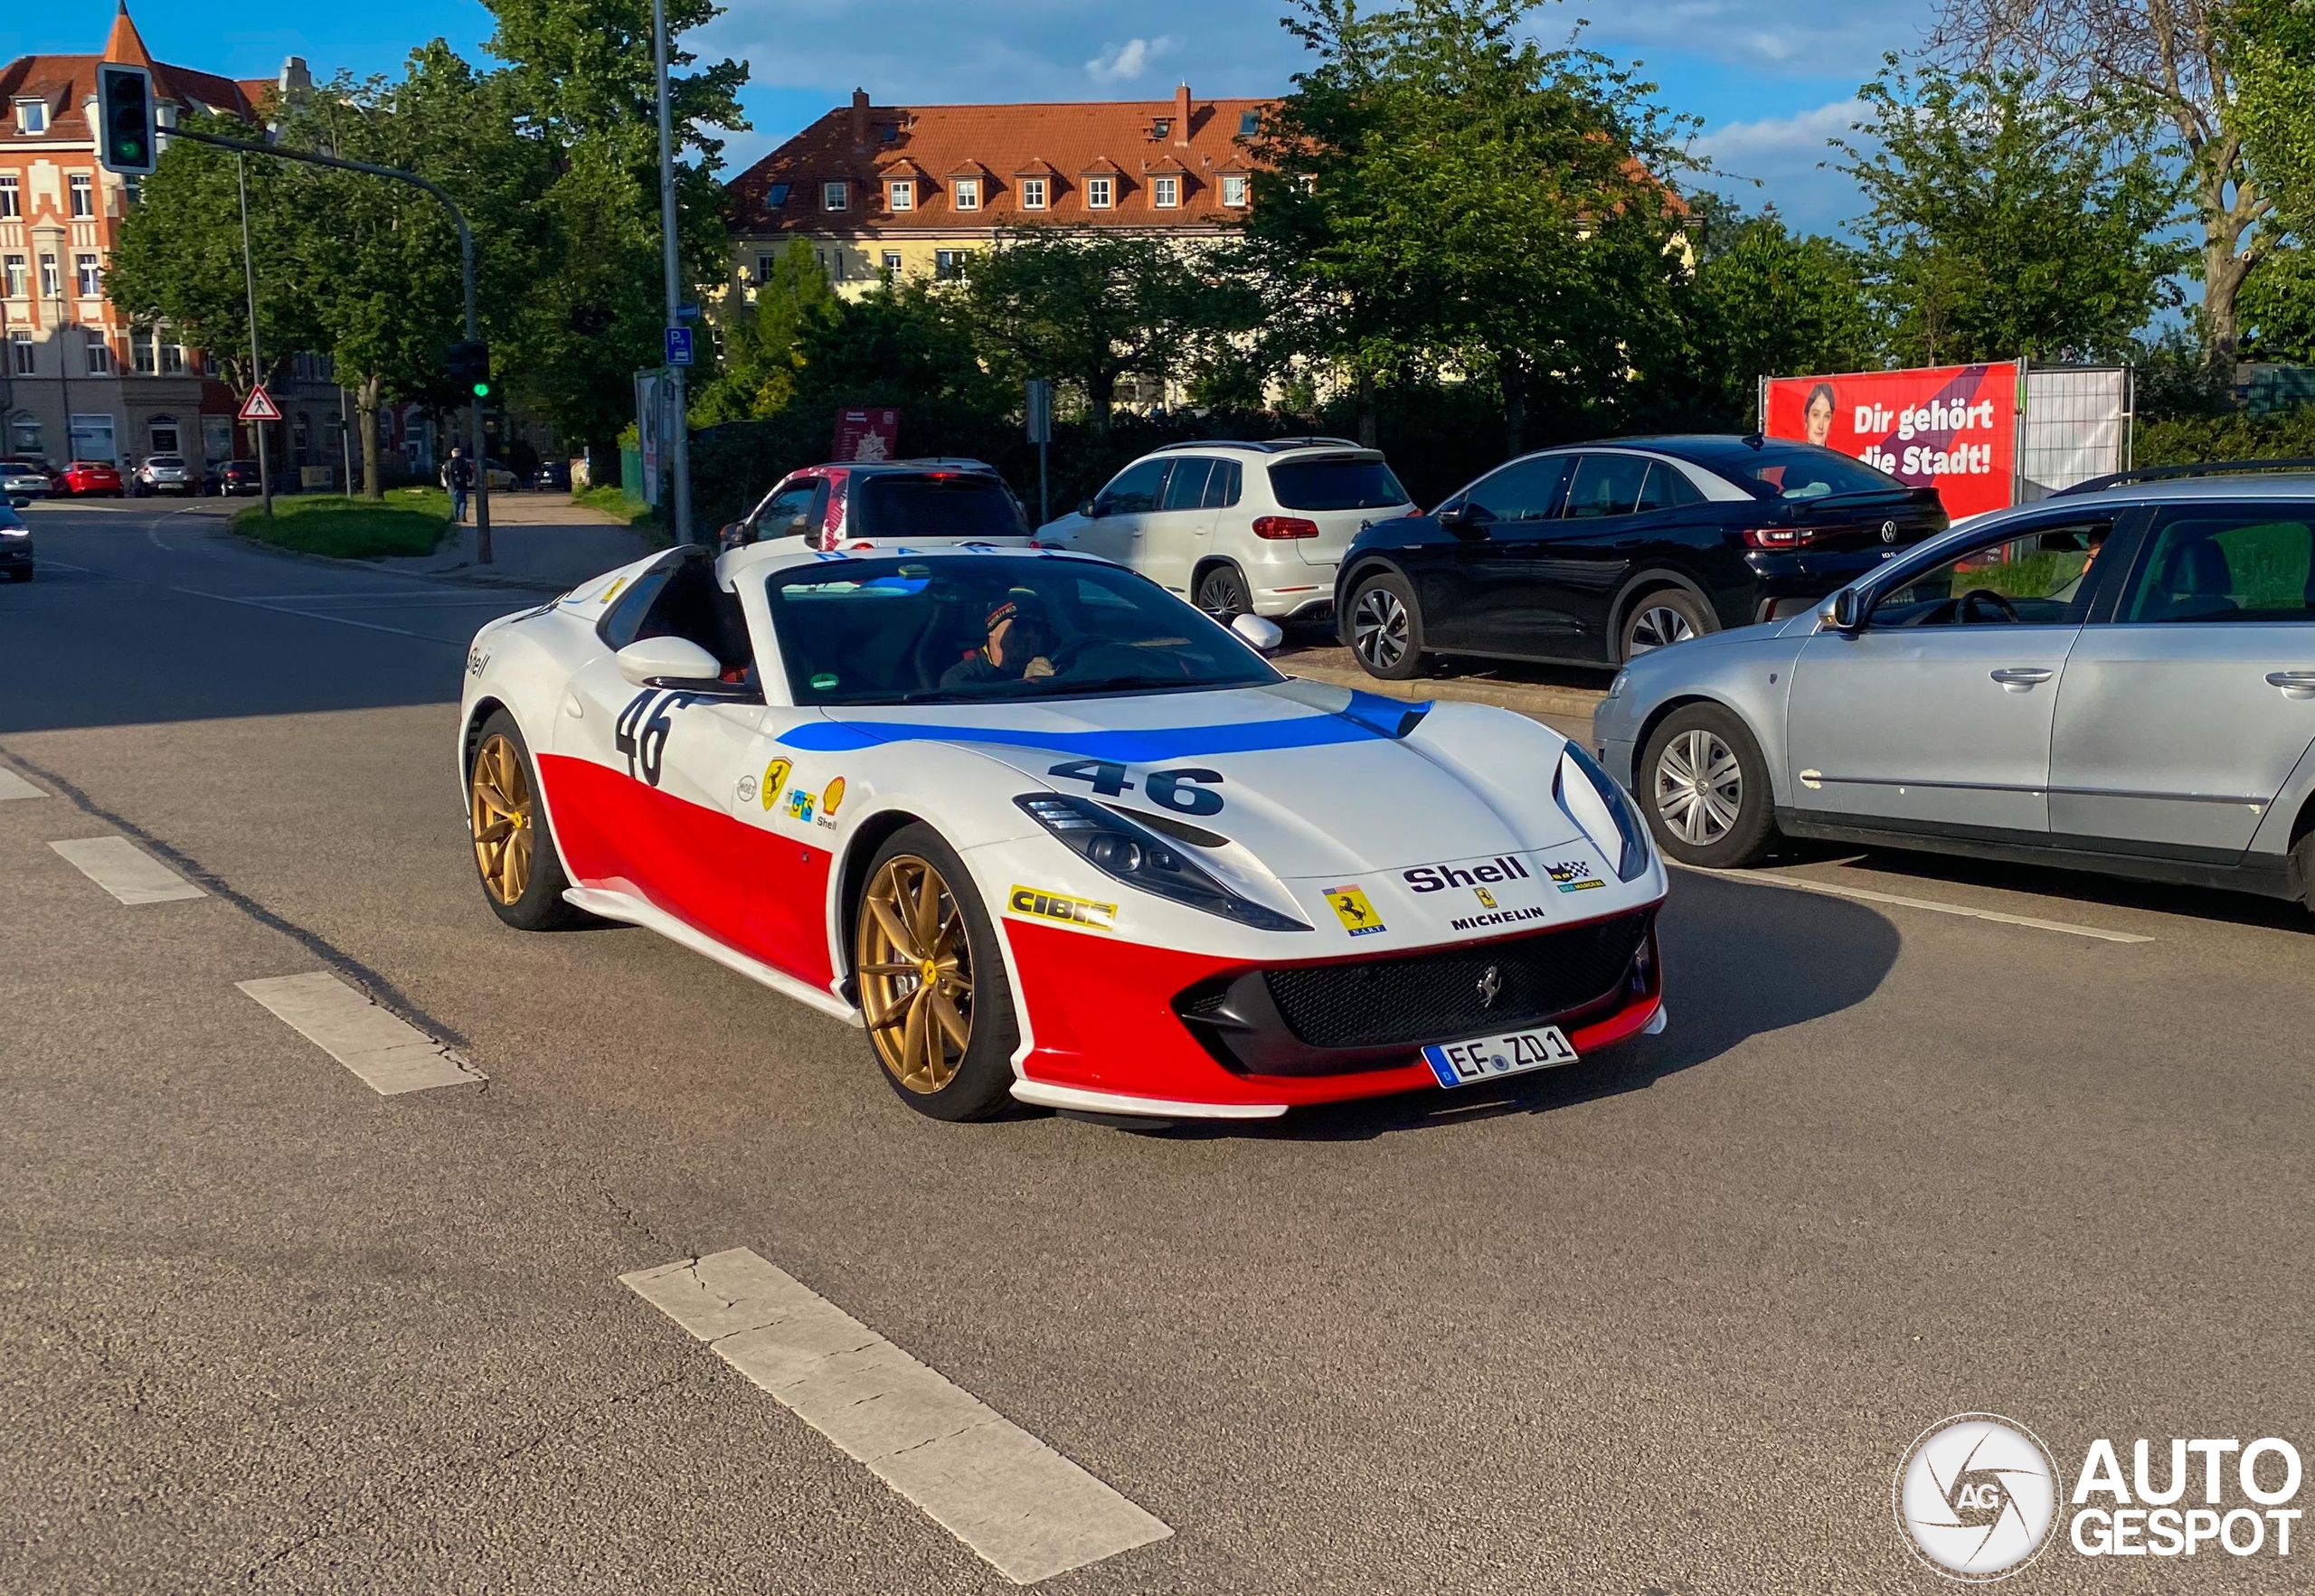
x=1139, y=857
x=1616, y=688
x=1594, y=802
x=16, y=532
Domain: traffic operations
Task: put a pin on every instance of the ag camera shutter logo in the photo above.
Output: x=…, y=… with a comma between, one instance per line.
x=1976, y=1497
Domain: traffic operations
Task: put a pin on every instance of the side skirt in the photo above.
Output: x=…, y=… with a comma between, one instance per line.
x=635, y=910
x=2244, y=872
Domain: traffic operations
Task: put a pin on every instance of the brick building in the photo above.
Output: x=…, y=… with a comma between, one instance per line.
x=76, y=381
x=911, y=189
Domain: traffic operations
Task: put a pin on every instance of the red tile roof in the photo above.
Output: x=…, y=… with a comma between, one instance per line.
x=67, y=83
x=1000, y=144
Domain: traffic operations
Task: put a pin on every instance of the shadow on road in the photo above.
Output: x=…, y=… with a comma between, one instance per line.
x=1739, y=961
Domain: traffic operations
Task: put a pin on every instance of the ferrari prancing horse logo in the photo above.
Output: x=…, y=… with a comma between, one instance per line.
x=1351, y=907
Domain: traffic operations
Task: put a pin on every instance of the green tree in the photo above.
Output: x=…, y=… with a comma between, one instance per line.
x=2008, y=221
x=903, y=345
x=177, y=258
x=2275, y=56
x=1090, y=306
x=1443, y=192
x=762, y=350
x=1763, y=301
x=583, y=77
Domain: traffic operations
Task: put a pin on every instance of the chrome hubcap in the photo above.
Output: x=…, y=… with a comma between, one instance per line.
x=1659, y=627
x=1378, y=628
x=1699, y=788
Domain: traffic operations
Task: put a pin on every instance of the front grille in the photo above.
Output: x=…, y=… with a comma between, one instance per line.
x=1437, y=996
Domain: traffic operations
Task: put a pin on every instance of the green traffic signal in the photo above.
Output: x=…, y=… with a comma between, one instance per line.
x=125, y=96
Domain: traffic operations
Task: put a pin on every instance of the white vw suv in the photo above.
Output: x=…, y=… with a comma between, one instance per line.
x=1238, y=528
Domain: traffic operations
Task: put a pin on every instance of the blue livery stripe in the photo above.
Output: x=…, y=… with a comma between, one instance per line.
x=1368, y=717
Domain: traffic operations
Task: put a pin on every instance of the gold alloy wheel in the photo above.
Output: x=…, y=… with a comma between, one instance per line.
x=916, y=976
x=503, y=818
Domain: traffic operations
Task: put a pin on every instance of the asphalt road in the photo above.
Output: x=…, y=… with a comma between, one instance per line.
x=1663, y=1322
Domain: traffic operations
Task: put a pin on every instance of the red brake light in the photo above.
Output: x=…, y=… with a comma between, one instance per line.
x=1275, y=527
x=1777, y=537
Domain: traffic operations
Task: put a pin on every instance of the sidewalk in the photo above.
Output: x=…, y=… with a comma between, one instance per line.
x=538, y=540
x=1487, y=683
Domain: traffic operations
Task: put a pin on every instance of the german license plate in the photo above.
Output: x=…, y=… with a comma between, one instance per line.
x=1462, y=1064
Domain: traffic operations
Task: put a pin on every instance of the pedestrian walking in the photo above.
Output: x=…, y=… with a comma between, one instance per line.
x=459, y=475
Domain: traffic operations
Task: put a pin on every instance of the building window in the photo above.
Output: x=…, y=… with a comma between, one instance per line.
x=141, y=356
x=13, y=269
x=1233, y=192
x=900, y=194
x=20, y=353
x=165, y=435
x=52, y=286
x=301, y=436
x=100, y=354
x=965, y=191
x=93, y=438
x=764, y=264
x=1032, y=194
x=775, y=196
x=948, y=265
x=12, y=198
x=834, y=196
x=89, y=275
x=32, y=116
x=23, y=436
x=893, y=261
x=1097, y=192
x=174, y=361
x=1249, y=124
x=1161, y=128
x=1166, y=193
x=84, y=198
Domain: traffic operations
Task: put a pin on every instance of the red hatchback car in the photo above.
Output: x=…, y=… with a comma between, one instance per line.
x=84, y=478
x=957, y=498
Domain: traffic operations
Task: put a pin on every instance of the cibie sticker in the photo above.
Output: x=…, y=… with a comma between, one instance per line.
x=1068, y=911
x=1351, y=907
x=1573, y=875
x=775, y=776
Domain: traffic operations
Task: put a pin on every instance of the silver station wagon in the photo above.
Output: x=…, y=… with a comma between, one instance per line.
x=2119, y=678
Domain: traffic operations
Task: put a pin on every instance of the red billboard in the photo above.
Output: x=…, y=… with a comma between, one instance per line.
x=1952, y=427
x=866, y=434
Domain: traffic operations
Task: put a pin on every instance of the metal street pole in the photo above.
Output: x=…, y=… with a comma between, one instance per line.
x=671, y=262
x=256, y=363
x=466, y=259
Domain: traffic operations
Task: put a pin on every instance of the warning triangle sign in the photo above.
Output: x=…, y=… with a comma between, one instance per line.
x=260, y=406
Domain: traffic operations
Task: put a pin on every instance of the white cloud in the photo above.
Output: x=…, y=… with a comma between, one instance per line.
x=1122, y=63
x=1786, y=157
x=1781, y=141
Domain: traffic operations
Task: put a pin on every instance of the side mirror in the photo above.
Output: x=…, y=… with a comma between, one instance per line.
x=659, y=662
x=1458, y=519
x=18, y=501
x=1841, y=612
x=1263, y=636
x=734, y=534
x=1090, y=509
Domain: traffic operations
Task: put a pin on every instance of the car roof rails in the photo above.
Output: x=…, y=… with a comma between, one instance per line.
x=2177, y=473
x=1269, y=446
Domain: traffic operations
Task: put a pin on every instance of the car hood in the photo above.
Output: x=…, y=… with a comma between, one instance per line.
x=1313, y=779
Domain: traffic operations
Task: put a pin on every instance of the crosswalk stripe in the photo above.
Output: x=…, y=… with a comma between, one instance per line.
x=126, y=871
x=389, y=1055
x=13, y=785
x=1012, y=1498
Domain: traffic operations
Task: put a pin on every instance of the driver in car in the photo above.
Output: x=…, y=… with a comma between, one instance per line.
x=1018, y=636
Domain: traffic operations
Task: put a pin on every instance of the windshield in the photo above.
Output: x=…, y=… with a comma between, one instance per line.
x=968, y=504
x=1803, y=471
x=967, y=628
x=1336, y=485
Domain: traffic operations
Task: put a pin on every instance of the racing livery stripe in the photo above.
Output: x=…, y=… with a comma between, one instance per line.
x=756, y=891
x=1153, y=745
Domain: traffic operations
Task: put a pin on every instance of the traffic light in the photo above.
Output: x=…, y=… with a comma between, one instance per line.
x=469, y=367
x=125, y=103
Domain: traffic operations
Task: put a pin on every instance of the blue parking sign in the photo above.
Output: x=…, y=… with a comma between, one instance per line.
x=678, y=345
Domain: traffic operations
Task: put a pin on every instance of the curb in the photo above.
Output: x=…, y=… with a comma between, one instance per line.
x=1526, y=697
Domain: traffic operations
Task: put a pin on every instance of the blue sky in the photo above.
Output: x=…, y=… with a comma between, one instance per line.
x=1772, y=79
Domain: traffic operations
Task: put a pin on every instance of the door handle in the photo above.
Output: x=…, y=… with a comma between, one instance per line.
x=2021, y=679
x=2294, y=684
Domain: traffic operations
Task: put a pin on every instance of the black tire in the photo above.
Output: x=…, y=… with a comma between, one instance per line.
x=1729, y=819
x=1385, y=628
x=1659, y=619
x=22, y=573
x=1222, y=594
x=540, y=906
x=983, y=1083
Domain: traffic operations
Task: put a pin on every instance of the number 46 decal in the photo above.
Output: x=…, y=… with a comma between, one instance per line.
x=1178, y=790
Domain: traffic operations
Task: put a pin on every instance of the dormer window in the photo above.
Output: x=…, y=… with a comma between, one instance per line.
x=900, y=194
x=1249, y=124
x=1166, y=193
x=835, y=195
x=1161, y=128
x=1100, y=193
x=775, y=196
x=32, y=116
x=964, y=193
x=1032, y=194
x=1234, y=190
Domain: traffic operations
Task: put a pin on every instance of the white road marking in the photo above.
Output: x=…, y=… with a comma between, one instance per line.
x=340, y=620
x=125, y=871
x=13, y=785
x=1009, y=1496
x=2068, y=927
x=389, y=1055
